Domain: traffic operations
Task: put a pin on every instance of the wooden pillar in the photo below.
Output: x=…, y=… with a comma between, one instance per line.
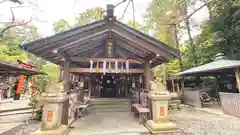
x=237, y=74
x=60, y=74
x=66, y=75
x=147, y=75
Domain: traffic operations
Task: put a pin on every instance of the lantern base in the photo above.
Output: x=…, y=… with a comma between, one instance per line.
x=160, y=127
x=62, y=130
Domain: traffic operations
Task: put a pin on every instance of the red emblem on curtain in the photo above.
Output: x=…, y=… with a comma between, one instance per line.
x=161, y=111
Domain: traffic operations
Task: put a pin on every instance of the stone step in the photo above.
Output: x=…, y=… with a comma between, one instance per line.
x=109, y=110
x=16, y=112
x=109, y=99
x=111, y=106
x=109, y=102
x=15, y=109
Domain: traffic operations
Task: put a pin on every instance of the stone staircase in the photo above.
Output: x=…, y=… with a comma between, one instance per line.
x=109, y=105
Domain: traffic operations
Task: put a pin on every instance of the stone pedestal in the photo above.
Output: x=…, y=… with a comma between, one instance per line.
x=160, y=122
x=52, y=114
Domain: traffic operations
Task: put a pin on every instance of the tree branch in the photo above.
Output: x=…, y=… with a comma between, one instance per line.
x=14, y=24
x=2, y=1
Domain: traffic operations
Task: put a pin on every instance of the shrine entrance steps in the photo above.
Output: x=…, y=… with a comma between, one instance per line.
x=108, y=116
x=109, y=105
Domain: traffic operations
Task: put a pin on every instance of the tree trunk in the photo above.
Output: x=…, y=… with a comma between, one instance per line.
x=187, y=25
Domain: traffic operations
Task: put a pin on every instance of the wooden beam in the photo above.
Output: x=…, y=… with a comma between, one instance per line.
x=61, y=54
x=129, y=43
x=73, y=52
x=132, y=49
x=130, y=54
x=82, y=59
x=87, y=70
x=84, y=38
x=85, y=43
x=141, y=42
x=97, y=53
x=121, y=54
x=86, y=54
x=126, y=55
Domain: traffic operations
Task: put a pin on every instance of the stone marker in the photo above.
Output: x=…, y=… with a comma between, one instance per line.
x=159, y=97
x=52, y=99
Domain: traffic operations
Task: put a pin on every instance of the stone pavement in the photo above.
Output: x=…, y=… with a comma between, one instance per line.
x=9, y=105
x=190, y=121
x=107, y=123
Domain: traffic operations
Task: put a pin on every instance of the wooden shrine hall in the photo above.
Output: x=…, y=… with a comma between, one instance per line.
x=108, y=56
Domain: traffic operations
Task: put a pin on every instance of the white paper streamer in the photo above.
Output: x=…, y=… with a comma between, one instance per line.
x=104, y=67
x=91, y=66
x=122, y=66
x=127, y=66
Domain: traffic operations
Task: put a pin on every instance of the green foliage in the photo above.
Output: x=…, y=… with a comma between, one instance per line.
x=226, y=30
x=220, y=34
x=90, y=15
x=140, y=27
x=62, y=25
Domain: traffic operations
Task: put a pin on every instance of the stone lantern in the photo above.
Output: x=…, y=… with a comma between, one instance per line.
x=159, y=97
x=53, y=99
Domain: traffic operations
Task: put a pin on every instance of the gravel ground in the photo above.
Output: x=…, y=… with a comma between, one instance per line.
x=194, y=122
x=24, y=129
x=27, y=126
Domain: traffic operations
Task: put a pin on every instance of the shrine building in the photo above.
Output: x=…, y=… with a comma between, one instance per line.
x=108, y=57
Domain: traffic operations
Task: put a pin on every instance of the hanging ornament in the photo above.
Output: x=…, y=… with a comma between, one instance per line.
x=97, y=68
x=104, y=67
x=127, y=66
x=109, y=67
x=116, y=66
x=91, y=66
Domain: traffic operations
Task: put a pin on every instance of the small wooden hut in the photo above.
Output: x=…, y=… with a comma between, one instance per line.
x=227, y=89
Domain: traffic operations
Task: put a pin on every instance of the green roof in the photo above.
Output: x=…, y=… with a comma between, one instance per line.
x=217, y=65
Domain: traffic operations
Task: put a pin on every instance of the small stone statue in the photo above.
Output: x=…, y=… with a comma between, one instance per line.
x=157, y=86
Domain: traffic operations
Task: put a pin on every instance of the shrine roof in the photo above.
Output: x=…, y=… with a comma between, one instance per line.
x=215, y=67
x=90, y=41
x=10, y=69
